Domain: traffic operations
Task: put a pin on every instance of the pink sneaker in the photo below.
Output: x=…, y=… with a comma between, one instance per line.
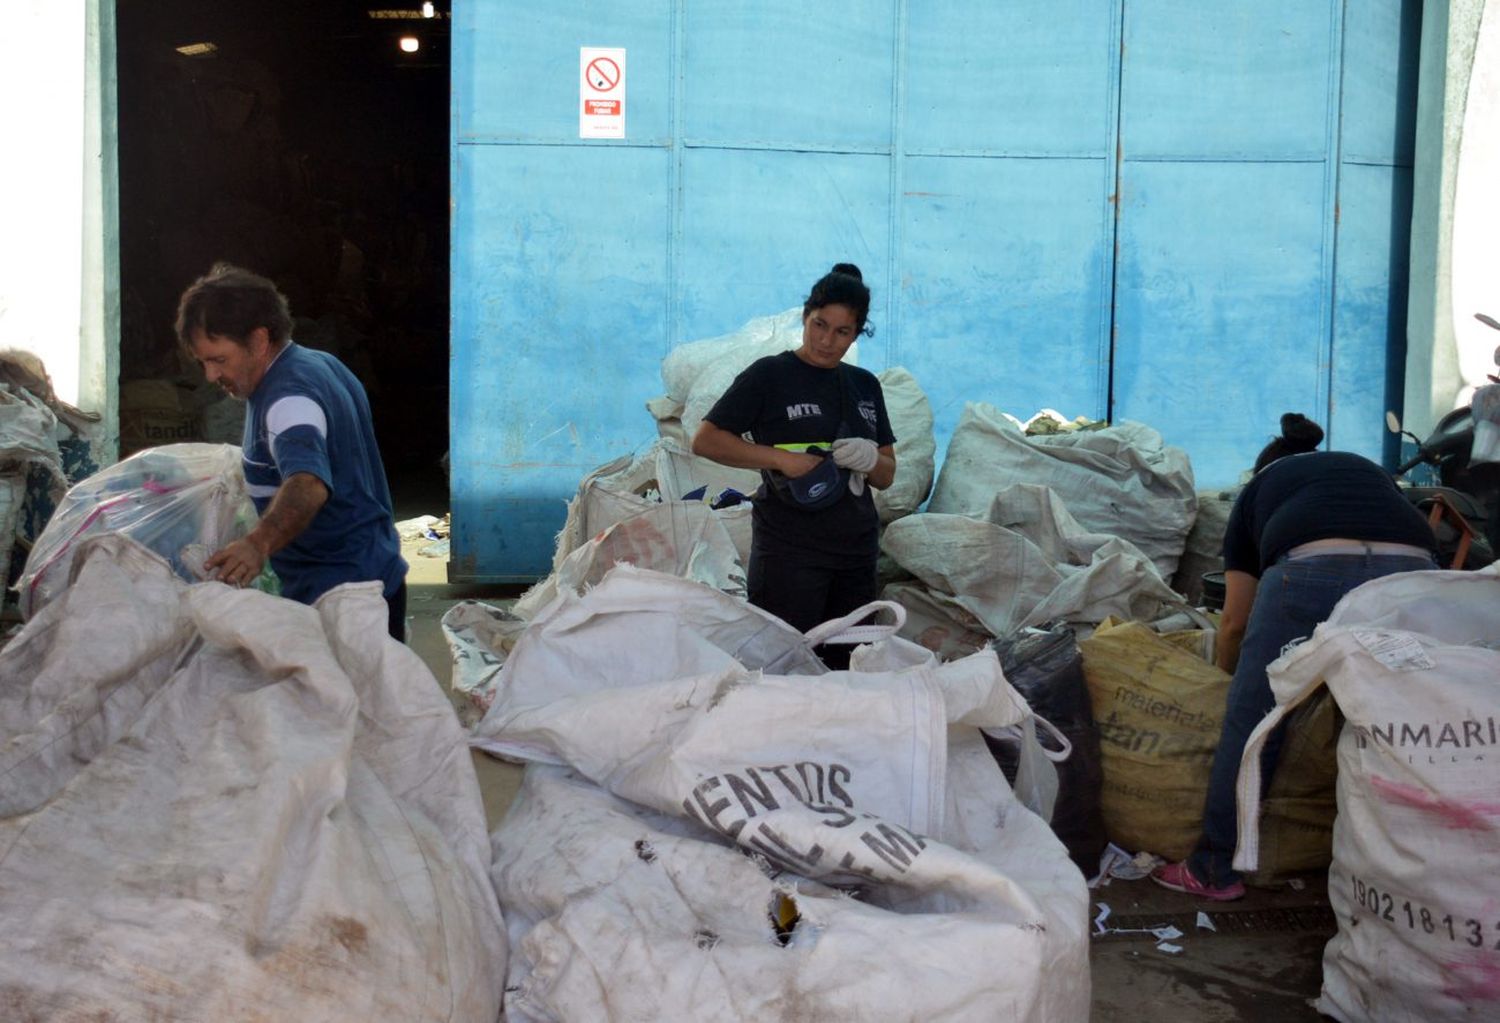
x=1179, y=878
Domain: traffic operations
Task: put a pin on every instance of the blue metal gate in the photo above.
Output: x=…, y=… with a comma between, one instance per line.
x=1188, y=214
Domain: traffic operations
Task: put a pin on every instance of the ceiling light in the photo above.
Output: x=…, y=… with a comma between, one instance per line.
x=428, y=10
x=197, y=49
x=410, y=44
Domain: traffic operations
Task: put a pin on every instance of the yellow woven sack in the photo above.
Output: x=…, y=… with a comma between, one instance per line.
x=1159, y=708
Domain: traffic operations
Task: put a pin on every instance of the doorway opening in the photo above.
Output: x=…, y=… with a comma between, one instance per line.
x=307, y=142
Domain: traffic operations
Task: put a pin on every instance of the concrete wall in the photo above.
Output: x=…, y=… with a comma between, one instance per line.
x=59, y=268
x=1455, y=249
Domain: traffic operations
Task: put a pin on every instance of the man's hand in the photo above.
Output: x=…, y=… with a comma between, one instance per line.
x=292, y=510
x=238, y=564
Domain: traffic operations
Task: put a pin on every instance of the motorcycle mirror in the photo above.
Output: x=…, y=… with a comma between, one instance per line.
x=1392, y=422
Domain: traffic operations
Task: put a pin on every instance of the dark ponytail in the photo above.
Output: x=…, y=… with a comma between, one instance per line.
x=1299, y=434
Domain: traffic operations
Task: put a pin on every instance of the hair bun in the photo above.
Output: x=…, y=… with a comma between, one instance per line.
x=848, y=270
x=1300, y=432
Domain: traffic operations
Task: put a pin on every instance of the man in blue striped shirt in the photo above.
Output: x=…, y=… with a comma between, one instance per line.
x=311, y=462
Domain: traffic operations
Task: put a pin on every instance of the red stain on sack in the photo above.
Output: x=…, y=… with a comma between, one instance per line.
x=1472, y=980
x=1466, y=816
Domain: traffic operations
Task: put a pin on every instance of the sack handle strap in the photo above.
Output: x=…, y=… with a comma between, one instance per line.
x=848, y=632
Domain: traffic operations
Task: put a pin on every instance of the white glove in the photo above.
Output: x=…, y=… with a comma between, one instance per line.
x=857, y=454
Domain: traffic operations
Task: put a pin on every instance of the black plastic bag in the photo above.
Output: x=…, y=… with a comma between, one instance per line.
x=1047, y=669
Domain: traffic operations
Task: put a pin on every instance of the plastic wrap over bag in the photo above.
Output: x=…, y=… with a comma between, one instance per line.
x=179, y=501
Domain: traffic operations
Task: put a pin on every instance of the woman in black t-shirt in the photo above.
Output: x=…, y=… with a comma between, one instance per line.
x=818, y=432
x=1309, y=527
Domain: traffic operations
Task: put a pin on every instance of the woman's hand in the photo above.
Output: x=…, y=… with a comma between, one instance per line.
x=858, y=454
x=797, y=463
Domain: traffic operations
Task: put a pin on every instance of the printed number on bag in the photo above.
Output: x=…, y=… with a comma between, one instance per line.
x=1400, y=912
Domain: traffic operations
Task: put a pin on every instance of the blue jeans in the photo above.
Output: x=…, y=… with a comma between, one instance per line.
x=1292, y=598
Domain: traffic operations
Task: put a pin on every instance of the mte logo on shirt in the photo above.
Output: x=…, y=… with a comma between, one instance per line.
x=868, y=414
x=806, y=408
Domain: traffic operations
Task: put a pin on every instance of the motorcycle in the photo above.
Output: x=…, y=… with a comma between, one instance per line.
x=1464, y=507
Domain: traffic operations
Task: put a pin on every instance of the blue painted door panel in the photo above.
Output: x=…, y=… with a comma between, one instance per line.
x=1185, y=213
x=759, y=226
x=1034, y=78
x=1218, y=303
x=1006, y=282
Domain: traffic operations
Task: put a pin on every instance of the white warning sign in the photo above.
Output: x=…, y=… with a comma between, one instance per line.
x=601, y=92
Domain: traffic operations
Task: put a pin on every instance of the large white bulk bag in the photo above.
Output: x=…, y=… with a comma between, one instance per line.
x=629, y=485
x=916, y=447
x=1414, y=663
x=682, y=538
x=632, y=898
x=1122, y=480
x=218, y=804
x=1026, y=561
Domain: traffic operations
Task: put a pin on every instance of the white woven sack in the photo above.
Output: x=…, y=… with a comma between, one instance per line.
x=916, y=447
x=682, y=538
x=1121, y=481
x=1412, y=660
x=628, y=901
x=1025, y=562
x=629, y=485
x=217, y=804
x=698, y=372
x=480, y=637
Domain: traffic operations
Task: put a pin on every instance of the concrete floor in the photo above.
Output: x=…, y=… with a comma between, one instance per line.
x=1263, y=961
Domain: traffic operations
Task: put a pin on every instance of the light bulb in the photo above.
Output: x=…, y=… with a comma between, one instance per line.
x=428, y=11
x=410, y=44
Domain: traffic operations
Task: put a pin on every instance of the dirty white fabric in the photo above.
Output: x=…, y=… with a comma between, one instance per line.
x=1413, y=661
x=172, y=499
x=217, y=804
x=628, y=486
x=916, y=447
x=683, y=538
x=636, y=626
x=698, y=372
x=1204, y=551
x=480, y=637
x=1121, y=481
x=639, y=879
x=936, y=622
x=1027, y=561
x=28, y=437
x=1485, y=410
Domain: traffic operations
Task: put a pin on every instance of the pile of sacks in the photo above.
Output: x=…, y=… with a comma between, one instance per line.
x=714, y=826
x=1064, y=524
x=654, y=510
x=216, y=803
x=709, y=794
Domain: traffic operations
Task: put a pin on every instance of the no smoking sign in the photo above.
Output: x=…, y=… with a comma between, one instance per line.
x=601, y=92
